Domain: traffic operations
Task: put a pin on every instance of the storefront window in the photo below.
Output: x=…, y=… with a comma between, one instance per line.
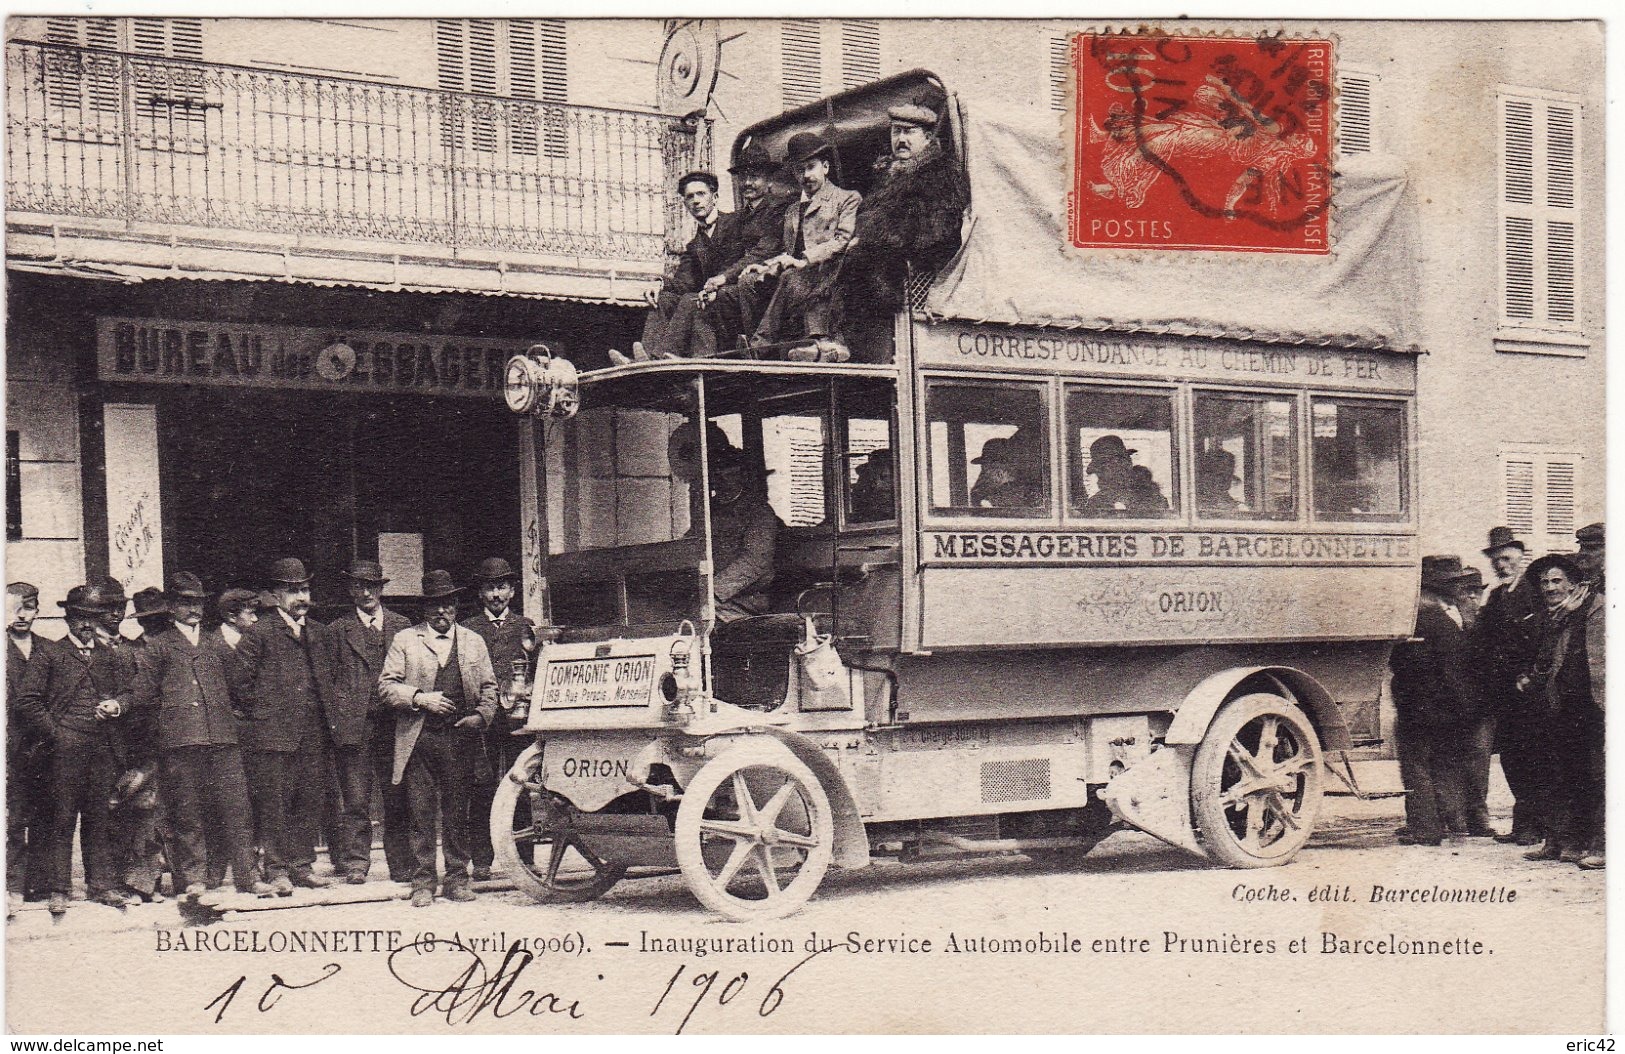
x=1120, y=458
x=1358, y=459
x=1246, y=457
x=989, y=448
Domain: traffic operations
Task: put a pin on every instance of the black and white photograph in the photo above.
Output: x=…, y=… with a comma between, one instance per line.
x=784, y=525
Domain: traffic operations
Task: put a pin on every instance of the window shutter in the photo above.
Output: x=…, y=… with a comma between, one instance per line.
x=860, y=51
x=1354, y=114
x=1060, y=54
x=73, y=84
x=1560, y=504
x=1520, y=496
x=1540, y=495
x=1539, y=212
x=802, y=60
x=552, y=58
x=450, y=64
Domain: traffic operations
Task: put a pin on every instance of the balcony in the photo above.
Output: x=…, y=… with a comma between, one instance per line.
x=148, y=167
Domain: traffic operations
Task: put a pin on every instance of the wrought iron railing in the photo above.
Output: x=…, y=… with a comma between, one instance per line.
x=105, y=134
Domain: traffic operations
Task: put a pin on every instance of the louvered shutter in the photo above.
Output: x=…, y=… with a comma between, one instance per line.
x=1540, y=496
x=552, y=71
x=1060, y=54
x=802, y=61
x=1539, y=213
x=1519, y=476
x=82, y=86
x=860, y=51
x=451, y=74
x=1353, y=109
x=1560, y=499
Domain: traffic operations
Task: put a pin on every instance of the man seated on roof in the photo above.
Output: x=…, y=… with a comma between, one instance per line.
x=673, y=329
x=910, y=225
x=816, y=233
x=744, y=535
x=732, y=301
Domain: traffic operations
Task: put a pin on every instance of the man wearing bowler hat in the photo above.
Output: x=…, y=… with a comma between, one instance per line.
x=1436, y=701
x=672, y=329
x=510, y=638
x=438, y=677
x=817, y=230
x=182, y=683
x=733, y=300
x=909, y=226
x=66, y=700
x=1507, y=629
x=282, y=678
x=363, y=729
x=139, y=827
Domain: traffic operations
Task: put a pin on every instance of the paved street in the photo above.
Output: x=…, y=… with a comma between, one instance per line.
x=1163, y=941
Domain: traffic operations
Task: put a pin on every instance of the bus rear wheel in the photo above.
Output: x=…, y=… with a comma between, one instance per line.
x=754, y=833
x=534, y=840
x=1256, y=782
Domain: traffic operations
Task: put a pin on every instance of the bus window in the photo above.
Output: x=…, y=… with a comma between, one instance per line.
x=1358, y=459
x=793, y=449
x=1121, y=461
x=1246, y=457
x=989, y=448
x=870, y=475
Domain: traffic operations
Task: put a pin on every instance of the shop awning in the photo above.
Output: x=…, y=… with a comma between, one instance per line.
x=1016, y=267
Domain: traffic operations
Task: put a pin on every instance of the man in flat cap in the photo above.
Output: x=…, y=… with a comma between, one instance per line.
x=817, y=231
x=182, y=682
x=66, y=700
x=1506, y=640
x=910, y=226
x=1436, y=699
x=282, y=678
x=363, y=729
x=672, y=329
x=26, y=750
x=510, y=637
x=238, y=610
x=437, y=676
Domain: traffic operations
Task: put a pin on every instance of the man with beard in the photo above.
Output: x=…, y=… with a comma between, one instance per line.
x=26, y=750
x=181, y=682
x=910, y=226
x=363, y=729
x=438, y=678
x=1505, y=631
x=282, y=678
x=510, y=638
x=66, y=698
x=1560, y=684
x=817, y=231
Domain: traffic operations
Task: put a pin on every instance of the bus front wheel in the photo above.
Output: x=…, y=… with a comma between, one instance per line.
x=534, y=840
x=1256, y=782
x=754, y=833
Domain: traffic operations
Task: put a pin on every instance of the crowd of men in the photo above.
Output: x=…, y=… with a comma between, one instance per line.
x=238, y=749
x=807, y=268
x=1520, y=673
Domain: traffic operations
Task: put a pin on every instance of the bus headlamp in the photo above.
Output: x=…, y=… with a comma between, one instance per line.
x=541, y=383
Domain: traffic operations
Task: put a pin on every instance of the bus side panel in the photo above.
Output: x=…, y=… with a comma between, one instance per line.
x=1035, y=605
x=1002, y=686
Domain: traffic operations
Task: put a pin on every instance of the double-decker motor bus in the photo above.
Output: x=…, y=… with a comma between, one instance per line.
x=1033, y=577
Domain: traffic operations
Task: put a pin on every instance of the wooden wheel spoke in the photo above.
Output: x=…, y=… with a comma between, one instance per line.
x=764, y=864
x=741, y=853
x=796, y=841
x=588, y=855
x=527, y=834
x=1255, y=822
x=735, y=829
x=747, y=805
x=1282, y=812
x=1293, y=766
x=769, y=815
x=554, y=859
x=1244, y=758
x=1268, y=736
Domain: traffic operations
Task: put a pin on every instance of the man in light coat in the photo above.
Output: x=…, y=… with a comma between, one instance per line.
x=437, y=676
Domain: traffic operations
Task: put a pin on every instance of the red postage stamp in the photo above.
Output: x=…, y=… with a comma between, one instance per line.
x=1201, y=142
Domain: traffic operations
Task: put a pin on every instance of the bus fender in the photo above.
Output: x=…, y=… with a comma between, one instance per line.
x=851, y=840
x=1196, y=711
x=1154, y=795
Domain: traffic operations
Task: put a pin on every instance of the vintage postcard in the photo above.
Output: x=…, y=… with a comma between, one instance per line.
x=797, y=525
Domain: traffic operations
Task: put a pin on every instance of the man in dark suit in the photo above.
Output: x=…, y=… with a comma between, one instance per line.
x=673, y=330
x=181, y=682
x=282, y=678
x=238, y=610
x=26, y=760
x=65, y=701
x=510, y=638
x=364, y=728
x=731, y=302
x=1436, y=700
x=1507, y=625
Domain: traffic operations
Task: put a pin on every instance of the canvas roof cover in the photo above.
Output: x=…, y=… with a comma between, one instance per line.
x=1017, y=267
